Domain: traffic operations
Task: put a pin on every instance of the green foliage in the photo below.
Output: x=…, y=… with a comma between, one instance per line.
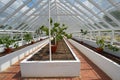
x=51, y=21
x=100, y=42
x=113, y=48
x=83, y=32
x=69, y=36
x=45, y=29
x=16, y=37
x=27, y=37
x=39, y=30
x=1, y=40
x=7, y=41
x=57, y=31
x=16, y=45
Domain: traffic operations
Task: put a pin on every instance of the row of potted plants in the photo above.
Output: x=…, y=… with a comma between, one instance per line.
x=101, y=43
x=8, y=41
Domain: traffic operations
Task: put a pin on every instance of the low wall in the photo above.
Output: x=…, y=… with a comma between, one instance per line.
x=111, y=68
x=9, y=59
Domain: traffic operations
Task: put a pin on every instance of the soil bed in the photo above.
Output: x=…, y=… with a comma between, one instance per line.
x=62, y=53
x=108, y=55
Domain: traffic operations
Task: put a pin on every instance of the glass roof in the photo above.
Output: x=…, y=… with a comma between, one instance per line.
x=76, y=14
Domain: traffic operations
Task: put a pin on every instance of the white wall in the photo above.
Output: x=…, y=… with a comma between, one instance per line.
x=9, y=59
x=111, y=68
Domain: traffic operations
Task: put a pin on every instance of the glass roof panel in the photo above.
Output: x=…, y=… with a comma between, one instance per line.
x=4, y=1
x=102, y=3
x=94, y=14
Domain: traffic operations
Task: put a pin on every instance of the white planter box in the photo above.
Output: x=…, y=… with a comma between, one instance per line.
x=112, y=52
x=9, y=59
x=111, y=68
x=56, y=68
x=93, y=44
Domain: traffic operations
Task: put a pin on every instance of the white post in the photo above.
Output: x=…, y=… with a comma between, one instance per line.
x=91, y=35
x=22, y=38
x=49, y=34
x=112, y=37
x=99, y=33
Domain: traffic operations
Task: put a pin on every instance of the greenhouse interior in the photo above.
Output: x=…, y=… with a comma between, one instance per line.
x=60, y=39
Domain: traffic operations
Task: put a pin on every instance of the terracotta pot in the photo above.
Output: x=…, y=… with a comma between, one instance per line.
x=99, y=49
x=81, y=42
x=8, y=50
x=41, y=39
x=32, y=42
x=53, y=48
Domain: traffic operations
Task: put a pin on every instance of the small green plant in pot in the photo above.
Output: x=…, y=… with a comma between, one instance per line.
x=28, y=37
x=113, y=48
x=7, y=41
x=101, y=44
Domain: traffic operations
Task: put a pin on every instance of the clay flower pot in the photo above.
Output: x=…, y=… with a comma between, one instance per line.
x=53, y=48
x=99, y=49
x=8, y=50
x=41, y=39
x=32, y=42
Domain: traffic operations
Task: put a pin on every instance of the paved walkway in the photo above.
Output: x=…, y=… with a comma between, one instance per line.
x=89, y=71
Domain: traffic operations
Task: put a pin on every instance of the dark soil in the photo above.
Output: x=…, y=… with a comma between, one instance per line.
x=15, y=49
x=108, y=55
x=62, y=53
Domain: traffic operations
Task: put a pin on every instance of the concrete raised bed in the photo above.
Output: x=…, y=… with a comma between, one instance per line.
x=111, y=68
x=56, y=68
x=93, y=43
x=9, y=59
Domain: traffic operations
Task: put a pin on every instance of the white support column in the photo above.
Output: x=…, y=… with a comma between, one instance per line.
x=49, y=33
x=112, y=36
x=22, y=37
x=90, y=35
x=99, y=34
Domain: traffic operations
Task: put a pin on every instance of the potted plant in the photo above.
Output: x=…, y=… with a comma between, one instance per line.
x=113, y=48
x=7, y=41
x=28, y=37
x=101, y=44
x=83, y=32
x=57, y=33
